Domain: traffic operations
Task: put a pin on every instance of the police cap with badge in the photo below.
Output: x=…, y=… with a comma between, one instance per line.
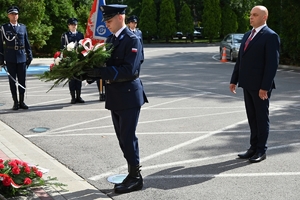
x=132, y=18
x=72, y=21
x=13, y=9
x=109, y=11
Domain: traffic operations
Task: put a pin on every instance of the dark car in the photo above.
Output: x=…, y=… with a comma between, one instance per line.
x=178, y=35
x=198, y=32
x=232, y=44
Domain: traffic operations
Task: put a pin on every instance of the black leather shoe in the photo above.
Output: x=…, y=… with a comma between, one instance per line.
x=15, y=106
x=22, y=105
x=129, y=185
x=258, y=157
x=80, y=100
x=249, y=153
x=102, y=97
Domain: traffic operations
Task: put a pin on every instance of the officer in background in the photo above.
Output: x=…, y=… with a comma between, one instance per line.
x=73, y=36
x=132, y=24
x=17, y=55
x=124, y=93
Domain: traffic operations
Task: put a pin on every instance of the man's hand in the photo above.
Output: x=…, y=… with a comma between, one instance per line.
x=263, y=94
x=28, y=61
x=232, y=88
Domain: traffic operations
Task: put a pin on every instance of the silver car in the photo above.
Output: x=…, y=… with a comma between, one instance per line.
x=232, y=44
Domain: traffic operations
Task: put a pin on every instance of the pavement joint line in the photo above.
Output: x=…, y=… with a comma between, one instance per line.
x=242, y=175
x=145, y=122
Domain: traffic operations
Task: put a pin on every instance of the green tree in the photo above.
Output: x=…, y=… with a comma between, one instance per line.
x=186, y=22
x=211, y=19
x=229, y=21
x=167, y=22
x=147, y=21
x=57, y=13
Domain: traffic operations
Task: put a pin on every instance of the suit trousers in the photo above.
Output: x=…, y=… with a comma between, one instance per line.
x=18, y=72
x=75, y=85
x=258, y=118
x=125, y=123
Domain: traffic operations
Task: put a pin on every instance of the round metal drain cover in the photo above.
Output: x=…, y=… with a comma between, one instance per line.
x=39, y=129
x=117, y=178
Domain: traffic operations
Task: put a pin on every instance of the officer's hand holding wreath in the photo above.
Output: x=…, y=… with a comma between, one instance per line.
x=93, y=72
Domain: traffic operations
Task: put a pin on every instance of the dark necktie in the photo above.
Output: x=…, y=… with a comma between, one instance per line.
x=249, y=39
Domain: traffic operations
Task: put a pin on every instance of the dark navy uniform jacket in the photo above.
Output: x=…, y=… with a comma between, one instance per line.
x=68, y=37
x=124, y=63
x=17, y=48
x=139, y=34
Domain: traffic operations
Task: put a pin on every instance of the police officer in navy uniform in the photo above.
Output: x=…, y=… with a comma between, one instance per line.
x=73, y=36
x=17, y=55
x=124, y=90
x=132, y=24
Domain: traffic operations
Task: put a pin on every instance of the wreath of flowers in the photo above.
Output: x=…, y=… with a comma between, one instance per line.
x=73, y=60
x=16, y=177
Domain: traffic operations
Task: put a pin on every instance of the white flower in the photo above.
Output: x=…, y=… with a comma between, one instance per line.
x=57, y=60
x=71, y=46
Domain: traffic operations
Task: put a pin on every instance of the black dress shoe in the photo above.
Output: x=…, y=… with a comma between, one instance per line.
x=22, y=105
x=79, y=100
x=249, y=153
x=258, y=157
x=130, y=184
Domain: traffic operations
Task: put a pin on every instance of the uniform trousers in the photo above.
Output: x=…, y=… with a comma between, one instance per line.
x=125, y=123
x=75, y=85
x=258, y=118
x=18, y=72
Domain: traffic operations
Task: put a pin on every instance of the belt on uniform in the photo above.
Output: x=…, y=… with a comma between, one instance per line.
x=120, y=80
x=15, y=47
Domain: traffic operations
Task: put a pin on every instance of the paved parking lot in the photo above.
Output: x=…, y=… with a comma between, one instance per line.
x=190, y=132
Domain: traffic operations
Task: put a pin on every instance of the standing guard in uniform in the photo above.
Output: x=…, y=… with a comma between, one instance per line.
x=124, y=90
x=15, y=51
x=132, y=24
x=73, y=36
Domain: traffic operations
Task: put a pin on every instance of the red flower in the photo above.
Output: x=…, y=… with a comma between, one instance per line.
x=27, y=170
x=13, y=163
x=6, y=181
x=39, y=174
x=1, y=166
x=51, y=66
x=16, y=170
x=1, y=160
x=27, y=181
x=57, y=54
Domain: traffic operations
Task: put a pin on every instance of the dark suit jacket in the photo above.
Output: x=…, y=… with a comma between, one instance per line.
x=256, y=67
x=9, y=53
x=124, y=63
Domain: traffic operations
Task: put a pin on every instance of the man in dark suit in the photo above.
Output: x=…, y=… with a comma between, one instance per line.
x=254, y=71
x=16, y=53
x=124, y=90
x=73, y=36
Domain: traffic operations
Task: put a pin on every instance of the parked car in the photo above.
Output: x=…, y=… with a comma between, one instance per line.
x=198, y=32
x=178, y=35
x=232, y=43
